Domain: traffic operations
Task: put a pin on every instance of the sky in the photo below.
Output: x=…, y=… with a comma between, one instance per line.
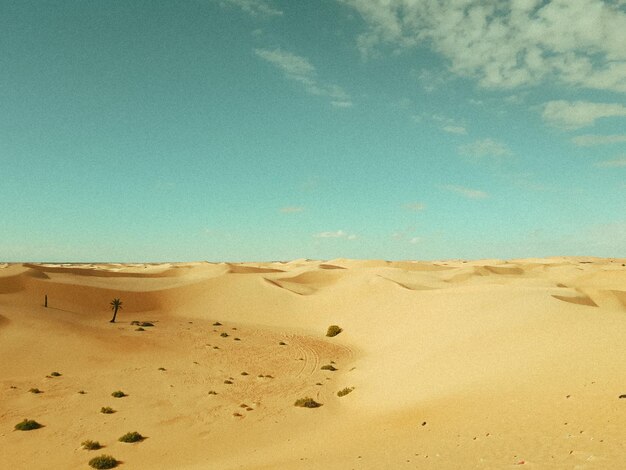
x=241, y=130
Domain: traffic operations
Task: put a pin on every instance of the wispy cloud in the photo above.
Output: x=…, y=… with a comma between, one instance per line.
x=591, y=140
x=299, y=69
x=507, y=44
x=415, y=206
x=615, y=163
x=254, y=7
x=454, y=130
x=485, y=148
x=337, y=234
x=466, y=192
x=445, y=123
x=291, y=209
x=577, y=114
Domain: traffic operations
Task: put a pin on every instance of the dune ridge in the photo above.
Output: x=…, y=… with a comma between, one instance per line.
x=445, y=364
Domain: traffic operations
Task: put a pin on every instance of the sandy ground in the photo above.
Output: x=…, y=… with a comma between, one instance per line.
x=453, y=364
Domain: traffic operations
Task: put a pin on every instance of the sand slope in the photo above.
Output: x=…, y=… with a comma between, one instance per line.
x=454, y=364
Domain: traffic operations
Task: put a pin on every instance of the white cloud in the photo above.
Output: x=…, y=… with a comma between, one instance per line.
x=299, y=69
x=291, y=209
x=337, y=234
x=415, y=206
x=254, y=7
x=466, y=192
x=455, y=130
x=616, y=163
x=508, y=43
x=592, y=140
x=574, y=115
x=485, y=148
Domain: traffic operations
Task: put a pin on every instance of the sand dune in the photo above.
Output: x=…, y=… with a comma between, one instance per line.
x=449, y=364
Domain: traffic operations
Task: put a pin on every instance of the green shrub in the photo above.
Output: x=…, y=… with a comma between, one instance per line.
x=162, y=368
x=344, y=392
x=131, y=437
x=307, y=403
x=35, y=390
x=27, y=425
x=224, y=335
x=119, y=394
x=282, y=343
x=82, y=392
x=333, y=330
x=244, y=373
x=90, y=445
x=228, y=382
x=329, y=367
x=55, y=374
x=107, y=410
x=217, y=324
x=212, y=392
x=237, y=339
x=103, y=461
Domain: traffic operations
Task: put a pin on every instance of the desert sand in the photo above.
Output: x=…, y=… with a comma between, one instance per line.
x=486, y=364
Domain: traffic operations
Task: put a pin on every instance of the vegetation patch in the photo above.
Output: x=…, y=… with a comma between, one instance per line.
x=82, y=392
x=103, y=461
x=244, y=373
x=307, y=403
x=35, y=390
x=344, y=392
x=27, y=425
x=119, y=394
x=212, y=392
x=55, y=374
x=107, y=410
x=140, y=329
x=237, y=339
x=228, y=382
x=141, y=323
x=91, y=445
x=333, y=330
x=217, y=324
x=329, y=367
x=162, y=368
x=282, y=343
x=224, y=335
x=131, y=437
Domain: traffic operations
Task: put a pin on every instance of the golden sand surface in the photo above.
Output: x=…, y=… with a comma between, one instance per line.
x=487, y=364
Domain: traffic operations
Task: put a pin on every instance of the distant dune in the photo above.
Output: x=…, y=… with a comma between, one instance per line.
x=449, y=364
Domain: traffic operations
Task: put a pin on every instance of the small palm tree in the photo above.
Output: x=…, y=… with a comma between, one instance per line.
x=116, y=304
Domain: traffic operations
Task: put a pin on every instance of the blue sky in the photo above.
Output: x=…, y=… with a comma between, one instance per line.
x=273, y=130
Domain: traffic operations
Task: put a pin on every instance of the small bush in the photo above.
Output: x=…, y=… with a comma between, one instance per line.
x=162, y=368
x=103, y=461
x=224, y=335
x=27, y=425
x=146, y=323
x=228, y=382
x=282, y=343
x=107, y=410
x=329, y=367
x=237, y=339
x=131, y=437
x=344, y=392
x=90, y=445
x=307, y=403
x=55, y=374
x=217, y=324
x=140, y=329
x=119, y=394
x=35, y=390
x=82, y=392
x=333, y=330
x=212, y=392
x=244, y=373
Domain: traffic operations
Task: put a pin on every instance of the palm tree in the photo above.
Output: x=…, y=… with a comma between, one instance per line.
x=116, y=304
